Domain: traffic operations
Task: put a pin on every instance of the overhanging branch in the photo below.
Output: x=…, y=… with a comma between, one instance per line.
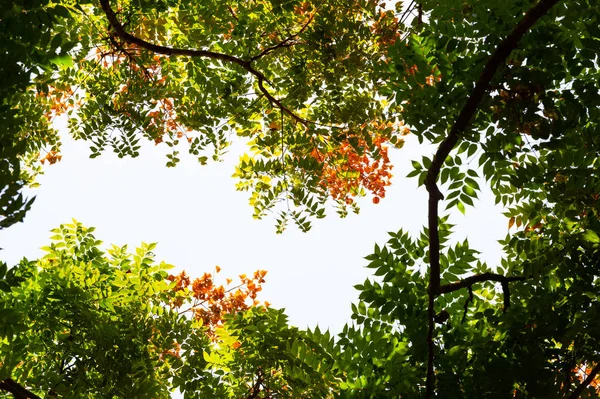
x=159, y=49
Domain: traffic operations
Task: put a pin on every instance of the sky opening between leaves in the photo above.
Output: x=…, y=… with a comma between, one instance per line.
x=199, y=220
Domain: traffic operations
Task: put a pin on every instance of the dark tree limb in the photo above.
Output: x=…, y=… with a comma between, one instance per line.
x=17, y=390
x=430, y=348
x=469, y=300
x=496, y=60
x=585, y=383
x=255, y=389
x=506, y=291
x=159, y=49
x=478, y=278
x=461, y=123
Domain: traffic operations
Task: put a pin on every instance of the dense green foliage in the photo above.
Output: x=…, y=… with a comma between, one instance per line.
x=36, y=39
x=83, y=323
x=507, y=91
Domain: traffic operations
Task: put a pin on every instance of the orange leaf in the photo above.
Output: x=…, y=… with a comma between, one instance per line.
x=511, y=222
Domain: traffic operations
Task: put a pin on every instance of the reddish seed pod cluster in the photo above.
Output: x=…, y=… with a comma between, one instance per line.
x=210, y=301
x=345, y=171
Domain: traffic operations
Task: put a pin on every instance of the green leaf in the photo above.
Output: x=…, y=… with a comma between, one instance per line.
x=62, y=61
x=591, y=236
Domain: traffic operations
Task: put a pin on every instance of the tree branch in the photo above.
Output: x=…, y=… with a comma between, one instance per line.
x=17, y=390
x=462, y=122
x=288, y=41
x=506, y=291
x=158, y=49
x=283, y=44
x=255, y=389
x=585, y=383
x=429, y=388
x=477, y=278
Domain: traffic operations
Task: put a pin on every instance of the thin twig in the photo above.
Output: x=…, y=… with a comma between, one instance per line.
x=232, y=13
x=287, y=42
x=407, y=12
x=255, y=389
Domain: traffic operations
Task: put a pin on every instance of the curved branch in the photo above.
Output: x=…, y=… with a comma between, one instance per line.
x=17, y=390
x=159, y=49
x=585, y=383
x=479, y=278
x=462, y=122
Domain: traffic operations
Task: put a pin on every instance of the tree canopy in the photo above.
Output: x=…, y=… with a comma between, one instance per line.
x=84, y=323
x=507, y=92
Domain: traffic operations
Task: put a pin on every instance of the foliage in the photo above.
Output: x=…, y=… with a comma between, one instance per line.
x=518, y=97
x=83, y=323
x=260, y=356
x=533, y=348
x=36, y=40
x=89, y=323
x=288, y=77
x=508, y=93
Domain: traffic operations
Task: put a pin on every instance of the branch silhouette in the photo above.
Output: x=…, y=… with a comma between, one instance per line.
x=460, y=125
x=120, y=31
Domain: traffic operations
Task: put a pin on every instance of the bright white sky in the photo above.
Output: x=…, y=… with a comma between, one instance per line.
x=199, y=221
